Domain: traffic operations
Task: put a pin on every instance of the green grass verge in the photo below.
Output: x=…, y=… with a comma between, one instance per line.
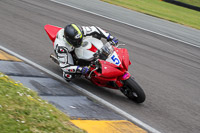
x=23, y=111
x=163, y=10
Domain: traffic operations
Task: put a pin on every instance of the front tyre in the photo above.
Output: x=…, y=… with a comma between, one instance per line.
x=133, y=91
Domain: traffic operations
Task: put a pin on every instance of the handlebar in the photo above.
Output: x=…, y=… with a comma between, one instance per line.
x=95, y=65
x=103, y=54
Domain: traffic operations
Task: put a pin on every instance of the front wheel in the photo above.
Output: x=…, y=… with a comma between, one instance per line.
x=133, y=91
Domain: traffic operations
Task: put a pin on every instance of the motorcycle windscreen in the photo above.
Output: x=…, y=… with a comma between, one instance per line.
x=109, y=70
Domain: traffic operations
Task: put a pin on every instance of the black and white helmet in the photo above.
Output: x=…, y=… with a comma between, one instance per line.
x=73, y=34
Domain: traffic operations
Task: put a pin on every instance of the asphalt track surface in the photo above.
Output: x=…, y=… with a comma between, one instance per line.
x=139, y=20
x=167, y=70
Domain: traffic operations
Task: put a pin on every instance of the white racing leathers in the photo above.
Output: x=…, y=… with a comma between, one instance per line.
x=63, y=51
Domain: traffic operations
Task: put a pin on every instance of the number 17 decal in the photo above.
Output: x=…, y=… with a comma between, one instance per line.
x=115, y=60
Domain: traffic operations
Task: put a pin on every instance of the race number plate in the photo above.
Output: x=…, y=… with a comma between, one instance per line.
x=114, y=59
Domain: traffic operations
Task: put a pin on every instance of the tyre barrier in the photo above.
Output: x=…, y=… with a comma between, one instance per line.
x=183, y=4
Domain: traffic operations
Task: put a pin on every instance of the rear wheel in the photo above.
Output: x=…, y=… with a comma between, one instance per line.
x=133, y=91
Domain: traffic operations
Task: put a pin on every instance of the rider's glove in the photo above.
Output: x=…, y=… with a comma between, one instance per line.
x=114, y=41
x=85, y=70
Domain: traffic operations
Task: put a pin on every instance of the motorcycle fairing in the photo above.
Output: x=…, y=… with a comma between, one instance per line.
x=124, y=57
x=111, y=73
x=52, y=31
x=106, y=68
x=101, y=81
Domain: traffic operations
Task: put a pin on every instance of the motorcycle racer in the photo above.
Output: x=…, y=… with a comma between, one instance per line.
x=70, y=38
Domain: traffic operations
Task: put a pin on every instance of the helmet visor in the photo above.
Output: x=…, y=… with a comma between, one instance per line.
x=74, y=42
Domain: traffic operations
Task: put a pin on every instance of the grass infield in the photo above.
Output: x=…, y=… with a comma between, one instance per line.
x=164, y=10
x=23, y=111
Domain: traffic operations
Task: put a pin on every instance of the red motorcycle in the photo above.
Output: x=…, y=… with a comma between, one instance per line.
x=108, y=65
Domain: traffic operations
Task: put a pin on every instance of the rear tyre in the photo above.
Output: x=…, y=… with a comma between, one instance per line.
x=133, y=91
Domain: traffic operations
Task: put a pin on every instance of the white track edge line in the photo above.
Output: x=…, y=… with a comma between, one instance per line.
x=194, y=45
x=87, y=93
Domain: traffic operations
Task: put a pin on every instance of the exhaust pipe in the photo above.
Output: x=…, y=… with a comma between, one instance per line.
x=54, y=58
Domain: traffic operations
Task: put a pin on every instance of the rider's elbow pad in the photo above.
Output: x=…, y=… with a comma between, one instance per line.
x=61, y=50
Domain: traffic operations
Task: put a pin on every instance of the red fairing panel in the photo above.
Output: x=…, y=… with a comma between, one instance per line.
x=124, y=57
x=109, y=70
x=101, y=81
x=52, y=31
x=126, y=61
